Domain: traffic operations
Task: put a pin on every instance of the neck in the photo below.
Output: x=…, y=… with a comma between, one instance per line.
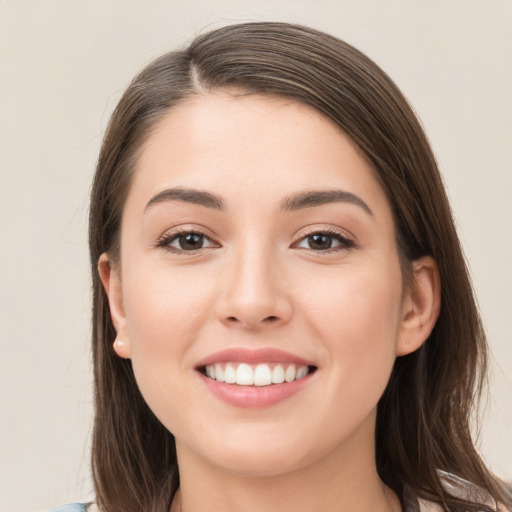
x=344, y=479
x=261, y=494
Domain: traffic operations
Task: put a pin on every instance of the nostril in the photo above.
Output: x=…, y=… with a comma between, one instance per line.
x=252, y=322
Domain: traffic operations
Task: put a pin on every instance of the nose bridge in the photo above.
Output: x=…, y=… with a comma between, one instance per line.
x=254, y=294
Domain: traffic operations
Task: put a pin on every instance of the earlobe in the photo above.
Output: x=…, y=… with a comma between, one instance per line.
x=111, y=280
x=122, y=348
x=421, y=306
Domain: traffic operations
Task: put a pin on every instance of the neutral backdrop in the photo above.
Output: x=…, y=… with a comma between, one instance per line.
x=63, y=66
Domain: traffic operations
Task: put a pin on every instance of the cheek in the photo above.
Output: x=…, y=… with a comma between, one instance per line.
x=358, y=317
x=359, y=326
x=166, y=311
x=161, y=304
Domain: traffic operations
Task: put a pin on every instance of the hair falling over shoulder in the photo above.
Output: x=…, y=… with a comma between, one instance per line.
x=425, y=416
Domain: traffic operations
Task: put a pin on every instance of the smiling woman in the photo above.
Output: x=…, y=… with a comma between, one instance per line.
x=279, y=280
x=282, y=314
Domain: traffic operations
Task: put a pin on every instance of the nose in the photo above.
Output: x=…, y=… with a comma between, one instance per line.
x=253, y=293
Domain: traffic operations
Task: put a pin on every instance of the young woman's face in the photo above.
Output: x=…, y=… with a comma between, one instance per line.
x=257, y=248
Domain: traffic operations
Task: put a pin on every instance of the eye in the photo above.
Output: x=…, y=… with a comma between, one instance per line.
x=325, y=241
x=189, y=241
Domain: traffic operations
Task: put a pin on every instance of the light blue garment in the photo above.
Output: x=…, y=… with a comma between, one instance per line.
x=71, y=507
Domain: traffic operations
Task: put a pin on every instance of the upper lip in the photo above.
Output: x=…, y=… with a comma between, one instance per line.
x=253, y=356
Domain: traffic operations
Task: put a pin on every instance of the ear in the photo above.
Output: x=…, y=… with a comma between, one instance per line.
x=421, y=306
x=111, y=280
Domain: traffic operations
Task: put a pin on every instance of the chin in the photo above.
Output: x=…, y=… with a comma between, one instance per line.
x=259, y=454
x=260, y=464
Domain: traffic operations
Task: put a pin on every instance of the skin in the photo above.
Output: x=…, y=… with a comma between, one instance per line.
x=257, y=282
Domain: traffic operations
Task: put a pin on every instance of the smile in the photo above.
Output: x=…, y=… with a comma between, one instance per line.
x=263, y=374
x=257, y=378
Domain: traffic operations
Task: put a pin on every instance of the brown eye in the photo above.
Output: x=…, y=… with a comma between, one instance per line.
x=190, y=241
x=325, y=241
x=186, y=242
x=320, y=241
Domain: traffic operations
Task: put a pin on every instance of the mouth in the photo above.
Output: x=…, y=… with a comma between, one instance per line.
x=259, y=375
x=255, y=378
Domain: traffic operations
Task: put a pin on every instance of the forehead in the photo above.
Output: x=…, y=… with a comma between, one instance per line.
x=250, y=145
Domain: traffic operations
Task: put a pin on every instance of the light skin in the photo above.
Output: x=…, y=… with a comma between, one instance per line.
x=293, y=247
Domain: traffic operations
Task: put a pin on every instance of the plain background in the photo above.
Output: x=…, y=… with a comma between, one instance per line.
x=63, y=66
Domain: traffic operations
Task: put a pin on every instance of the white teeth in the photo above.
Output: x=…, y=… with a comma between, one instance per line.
x=230, y=374
x=302, y=371
x=210, y=371
x=262, y=375
x=219, y=372
x=278, y=374
x=244, y=374
x=290, y=373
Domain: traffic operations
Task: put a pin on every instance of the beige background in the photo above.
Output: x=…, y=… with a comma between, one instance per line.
x=63, y=65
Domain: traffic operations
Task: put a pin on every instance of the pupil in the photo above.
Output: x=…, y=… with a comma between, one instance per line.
x=320, y=241
x=191, y=241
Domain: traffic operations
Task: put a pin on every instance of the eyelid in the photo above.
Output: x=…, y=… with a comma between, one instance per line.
x=188, y=228
x=324, y=228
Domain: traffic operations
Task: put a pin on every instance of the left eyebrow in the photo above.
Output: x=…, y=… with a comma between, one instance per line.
x=187, y=195
x=321, y=197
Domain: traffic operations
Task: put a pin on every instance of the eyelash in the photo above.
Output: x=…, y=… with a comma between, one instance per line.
x=166, y=240
x=345, y=243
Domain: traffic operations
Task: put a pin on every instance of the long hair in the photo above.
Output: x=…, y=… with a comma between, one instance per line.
x=423, y=418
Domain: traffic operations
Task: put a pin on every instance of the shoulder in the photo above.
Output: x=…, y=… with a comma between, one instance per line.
x=458, y=488
x=470, y=492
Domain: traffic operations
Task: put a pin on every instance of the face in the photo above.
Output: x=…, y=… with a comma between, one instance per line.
x=259, y=291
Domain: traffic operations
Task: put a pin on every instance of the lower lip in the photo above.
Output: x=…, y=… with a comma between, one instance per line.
x=254, y=396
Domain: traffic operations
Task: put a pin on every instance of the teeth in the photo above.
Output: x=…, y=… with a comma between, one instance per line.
x=262, y=375
x=302, y=371
x=219, y=372
x=290, y=373
x=230, y=374
x=277, y=375
x=244, y=375
x=210, y=371
x=255, y=375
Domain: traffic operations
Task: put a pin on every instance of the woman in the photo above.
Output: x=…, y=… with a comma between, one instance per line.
x=282, y=314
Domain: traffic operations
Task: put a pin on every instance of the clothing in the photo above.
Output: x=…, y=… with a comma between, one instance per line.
x=412, y=506
x=455, y=485
x=71, y=507
x=76, y=507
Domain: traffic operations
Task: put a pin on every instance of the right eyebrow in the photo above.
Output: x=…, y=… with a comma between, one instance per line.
x=313, y=198
x=188, y=195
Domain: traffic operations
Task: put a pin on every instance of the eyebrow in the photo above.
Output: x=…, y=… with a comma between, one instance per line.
x=291, y=203
x=188, y=195
x=321, y=197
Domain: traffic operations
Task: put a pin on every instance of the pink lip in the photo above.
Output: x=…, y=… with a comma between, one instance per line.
x=254, y=396
x=255, y=356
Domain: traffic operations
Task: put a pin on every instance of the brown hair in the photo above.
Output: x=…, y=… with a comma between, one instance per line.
x=423, y=419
